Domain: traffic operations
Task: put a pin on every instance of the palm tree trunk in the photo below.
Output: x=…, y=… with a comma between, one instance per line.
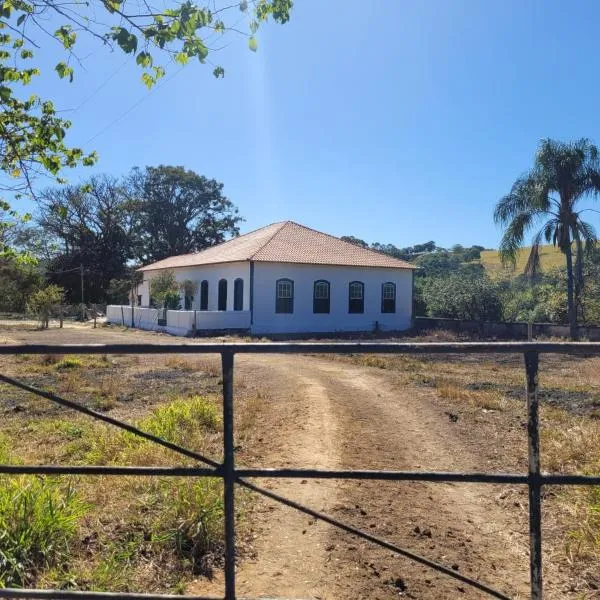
x=570, y=291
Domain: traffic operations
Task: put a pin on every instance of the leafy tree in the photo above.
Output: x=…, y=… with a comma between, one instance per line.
x=44, y=302
x=18, y=280
x=178, y=211
x=32, y=133
x=164, y=290
x=90, y=225
x=118, y=291
x=549, y=195
x=354, y=240
x=462, y=296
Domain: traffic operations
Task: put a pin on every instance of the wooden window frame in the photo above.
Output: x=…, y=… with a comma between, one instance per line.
x=284, y=304
x=356, y=306
x=238, y=294
x=222, y=306
x=204, y=294
x=321, y=305
x=388, y=305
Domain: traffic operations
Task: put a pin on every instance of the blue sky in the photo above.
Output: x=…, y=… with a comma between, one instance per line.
x=394, y=121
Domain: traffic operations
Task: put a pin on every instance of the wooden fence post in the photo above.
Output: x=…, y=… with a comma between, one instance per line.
x=61, y=313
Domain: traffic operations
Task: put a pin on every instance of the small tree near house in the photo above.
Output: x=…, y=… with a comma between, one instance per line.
x=164, y=291
x=44, y=302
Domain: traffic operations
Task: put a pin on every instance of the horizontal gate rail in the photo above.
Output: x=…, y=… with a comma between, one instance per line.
x=231, y=475
x=310, y=348
x=431, y=476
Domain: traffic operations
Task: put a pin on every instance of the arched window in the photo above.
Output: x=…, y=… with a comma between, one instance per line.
x=356, y=297
x=321, y=296
x=284, y=296
x=238, y=294
x=204, y=295
x=388, y=298
x=222, y=300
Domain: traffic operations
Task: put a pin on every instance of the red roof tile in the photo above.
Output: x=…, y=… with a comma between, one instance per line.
x=286, y=242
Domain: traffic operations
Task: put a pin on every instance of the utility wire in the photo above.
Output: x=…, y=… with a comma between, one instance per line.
x=102, y=85
x=134, y=106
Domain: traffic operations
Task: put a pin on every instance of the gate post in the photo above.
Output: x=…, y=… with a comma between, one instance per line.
x=535, y=487
x=228, y=474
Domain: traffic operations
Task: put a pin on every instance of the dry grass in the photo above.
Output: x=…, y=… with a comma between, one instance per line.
x=180, y=363
x=476, y=399
x=549, y=255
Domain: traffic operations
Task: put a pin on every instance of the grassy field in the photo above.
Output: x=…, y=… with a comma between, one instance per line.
x=549, y=255
x=102, y=533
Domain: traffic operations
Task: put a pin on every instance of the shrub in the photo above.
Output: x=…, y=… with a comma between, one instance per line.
x=462, y=296
x=38, y=521
x=44, y=302
x=69, y=362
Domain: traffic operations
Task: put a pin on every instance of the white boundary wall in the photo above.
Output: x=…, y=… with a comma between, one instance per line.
x=179, y=322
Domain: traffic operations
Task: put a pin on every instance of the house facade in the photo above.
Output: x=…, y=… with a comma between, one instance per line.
x=285, y=278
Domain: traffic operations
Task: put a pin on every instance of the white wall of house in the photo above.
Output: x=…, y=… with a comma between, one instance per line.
x=212, y=273
x=266, y=320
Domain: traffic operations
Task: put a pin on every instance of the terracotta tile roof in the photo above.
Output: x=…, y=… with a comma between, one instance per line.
x=286, y=242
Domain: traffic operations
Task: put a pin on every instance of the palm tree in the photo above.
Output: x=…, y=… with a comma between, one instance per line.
x=547, y=197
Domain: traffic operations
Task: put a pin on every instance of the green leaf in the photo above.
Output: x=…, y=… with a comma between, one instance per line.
x=26, y=54
x=253, y=26
x=66, y=35
x=127, y=41
x=21, y=19
x=144, y=59
x=219, y=72
x=182, y=58
x=148, y=80
x=112, y=5
x=252, y=43
x=64, y=70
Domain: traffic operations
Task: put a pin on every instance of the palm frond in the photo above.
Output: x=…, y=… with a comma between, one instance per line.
x=513, y=237
x=587, y=232
x=533, y=266
x=528, y=194
x=550, y=230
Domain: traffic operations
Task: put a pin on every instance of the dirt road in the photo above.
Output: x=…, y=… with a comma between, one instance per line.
x=323, y=413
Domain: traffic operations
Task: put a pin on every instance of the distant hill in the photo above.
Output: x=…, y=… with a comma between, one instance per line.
x=549, y=257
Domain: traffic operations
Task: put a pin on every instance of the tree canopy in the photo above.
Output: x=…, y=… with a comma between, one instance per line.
x=107, y=225
x=177, y=211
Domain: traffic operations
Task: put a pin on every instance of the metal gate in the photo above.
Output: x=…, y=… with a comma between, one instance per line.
x=233, y=476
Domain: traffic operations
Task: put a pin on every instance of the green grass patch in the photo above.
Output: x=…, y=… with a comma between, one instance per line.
x=68, y=362
x=39, y=517
x=116, y=534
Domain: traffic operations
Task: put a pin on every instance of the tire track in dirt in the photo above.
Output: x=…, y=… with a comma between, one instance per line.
x=329, y=414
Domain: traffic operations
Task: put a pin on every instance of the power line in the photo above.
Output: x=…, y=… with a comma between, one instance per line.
x=133, y=106
x=102, y=85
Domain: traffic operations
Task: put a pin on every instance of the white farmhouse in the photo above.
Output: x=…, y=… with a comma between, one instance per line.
x=285, y=278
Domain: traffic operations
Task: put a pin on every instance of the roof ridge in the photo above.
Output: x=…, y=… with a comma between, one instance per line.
x=372, y=250
x=282, y=223
x=237, y=237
